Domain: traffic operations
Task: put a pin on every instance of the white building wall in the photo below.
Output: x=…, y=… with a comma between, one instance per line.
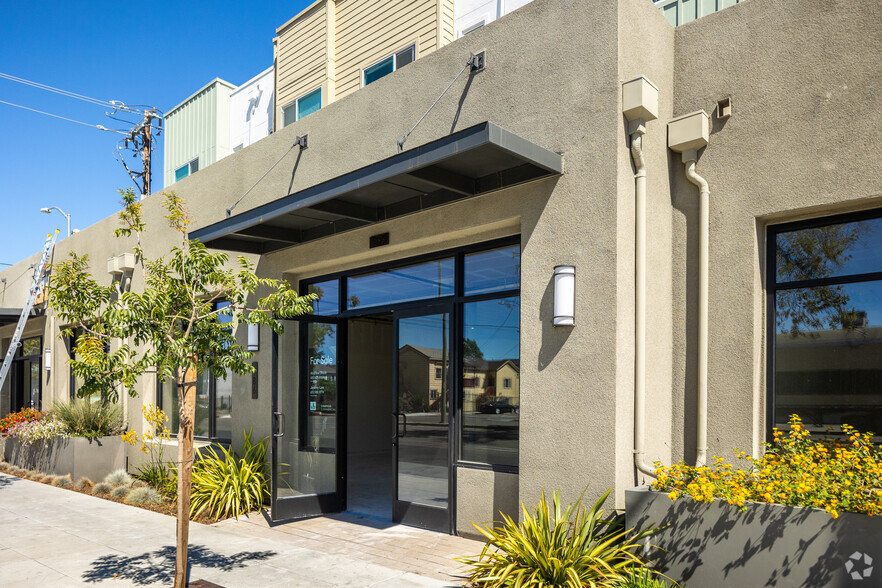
x=251, y=110
x=471, y=13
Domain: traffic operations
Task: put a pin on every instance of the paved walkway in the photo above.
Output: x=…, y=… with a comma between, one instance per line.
x=55, y=537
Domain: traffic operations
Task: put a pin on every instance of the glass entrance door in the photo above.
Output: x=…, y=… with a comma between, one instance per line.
x=308, y=420
x=422, y=405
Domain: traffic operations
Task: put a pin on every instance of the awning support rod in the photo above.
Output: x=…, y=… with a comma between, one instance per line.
x=299, y=141
x=473, y=62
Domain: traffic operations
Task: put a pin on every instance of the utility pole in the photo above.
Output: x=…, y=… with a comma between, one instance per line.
x=141, y=139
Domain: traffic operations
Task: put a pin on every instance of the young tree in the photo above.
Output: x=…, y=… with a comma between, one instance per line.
x=171, y=327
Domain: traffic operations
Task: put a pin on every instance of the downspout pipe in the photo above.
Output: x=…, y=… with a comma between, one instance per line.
x=637, y=129
x=690, y=158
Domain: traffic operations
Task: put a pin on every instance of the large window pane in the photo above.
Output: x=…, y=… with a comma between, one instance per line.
x=828, y=356
x=321, y=409
x=375, y=72
x=168, y=402
x=223, y=408
x=328, y=297
x=416, y=282
x=423, y=382
x=492, y=271
x=309, y=103
x=200, y=421
x=491, y=381
x=829, y=251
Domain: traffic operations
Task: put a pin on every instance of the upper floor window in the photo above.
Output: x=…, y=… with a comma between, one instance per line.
x=825, y=317
x=187, y=169
x=303, y=106
x=386, y=66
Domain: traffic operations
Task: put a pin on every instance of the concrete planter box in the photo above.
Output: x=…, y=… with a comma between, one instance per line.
x=715, y=544
x=75, y=455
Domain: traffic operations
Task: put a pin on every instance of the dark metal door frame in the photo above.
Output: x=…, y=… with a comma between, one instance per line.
x=296, y=507
x=408, y=513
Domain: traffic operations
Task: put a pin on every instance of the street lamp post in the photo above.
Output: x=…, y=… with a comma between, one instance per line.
x=67, y=216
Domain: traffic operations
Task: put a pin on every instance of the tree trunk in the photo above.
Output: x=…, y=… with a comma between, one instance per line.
x=187, y=403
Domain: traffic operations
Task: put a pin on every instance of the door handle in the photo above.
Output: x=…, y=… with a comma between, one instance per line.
x=280, y=421
x=394, y=426
x=395, y=415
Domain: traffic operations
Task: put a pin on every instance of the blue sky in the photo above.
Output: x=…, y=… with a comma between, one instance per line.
x=154, y=53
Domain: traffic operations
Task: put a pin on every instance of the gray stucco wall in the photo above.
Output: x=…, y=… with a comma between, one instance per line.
x=805, y=83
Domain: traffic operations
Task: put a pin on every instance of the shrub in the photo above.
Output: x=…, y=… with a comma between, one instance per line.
x=26, y=415
x=17, y=471
x=567, y=547
x=118, y=478
x=49, y=427
x=101, y=488
x=33, y=474
x=4, y=466
x=63, y=481
x=139, y=484
x=228, y=486
x=84, y=418
x=46, y=479
x=643, y=579
x=83, y=483
x=160, y=476
x=836, y=474
x=143, y=495
x=120, y=491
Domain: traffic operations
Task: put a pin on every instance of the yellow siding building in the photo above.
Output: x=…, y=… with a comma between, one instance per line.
x=324, y=53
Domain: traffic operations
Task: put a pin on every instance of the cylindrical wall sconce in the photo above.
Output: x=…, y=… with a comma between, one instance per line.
x=253, y=337
x=564, y=296
x=47, y=359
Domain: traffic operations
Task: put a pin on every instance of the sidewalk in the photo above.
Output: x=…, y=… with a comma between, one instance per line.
x=55, y=537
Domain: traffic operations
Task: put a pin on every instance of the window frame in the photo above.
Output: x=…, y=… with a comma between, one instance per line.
x=458, y=300
x=193, y=163
x=212, y=402
x=395, y=67
x=295, y=104
x=773, y=287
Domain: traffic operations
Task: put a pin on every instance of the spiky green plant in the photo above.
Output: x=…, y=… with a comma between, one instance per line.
x=143, y=495
x=63, y=481
x=84, y=418
x=572, y=547
x=101, y=488
x=227, y=486
x=118, y=478
x=83, y=483
x=643, y=579
x=120, y=491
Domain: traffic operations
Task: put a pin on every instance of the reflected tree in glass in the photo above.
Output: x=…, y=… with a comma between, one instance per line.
x=811, y=254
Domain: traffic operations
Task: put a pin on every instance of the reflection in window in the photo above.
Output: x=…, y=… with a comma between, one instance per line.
x=491, y=355
x=828, y=332
x=416, y=282
x=493, y=271
x=328, y=301
x=321, y=409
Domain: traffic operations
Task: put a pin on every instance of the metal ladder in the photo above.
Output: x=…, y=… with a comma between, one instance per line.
x=40, y=279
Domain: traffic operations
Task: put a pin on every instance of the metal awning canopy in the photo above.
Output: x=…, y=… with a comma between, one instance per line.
x=481, y=159
x=10, y=316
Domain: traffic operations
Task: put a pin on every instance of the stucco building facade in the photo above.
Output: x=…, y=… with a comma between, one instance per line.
x=527, y=165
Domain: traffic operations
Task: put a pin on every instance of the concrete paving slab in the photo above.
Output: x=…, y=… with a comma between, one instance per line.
x=57, y=537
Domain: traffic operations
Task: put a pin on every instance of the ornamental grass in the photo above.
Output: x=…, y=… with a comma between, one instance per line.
x=837, y=474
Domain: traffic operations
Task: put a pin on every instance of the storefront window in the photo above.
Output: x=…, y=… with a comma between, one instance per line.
x=491, y=381
x=827, y=320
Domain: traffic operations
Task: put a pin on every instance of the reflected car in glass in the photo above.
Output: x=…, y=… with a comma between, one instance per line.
x=498, y=406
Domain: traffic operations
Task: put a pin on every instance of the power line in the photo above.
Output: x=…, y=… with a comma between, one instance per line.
x=115, y=104
x=99, y=127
